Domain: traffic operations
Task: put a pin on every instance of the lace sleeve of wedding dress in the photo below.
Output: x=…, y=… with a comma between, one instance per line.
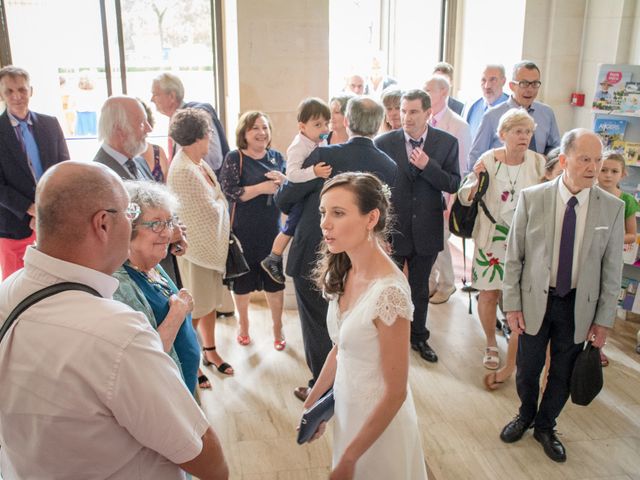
x=392, y=303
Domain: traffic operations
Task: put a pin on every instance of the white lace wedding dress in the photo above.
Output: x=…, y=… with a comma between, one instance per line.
x=359, y=385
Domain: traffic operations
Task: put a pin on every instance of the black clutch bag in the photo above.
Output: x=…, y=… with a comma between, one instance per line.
x=586, y=379
x=319, y=412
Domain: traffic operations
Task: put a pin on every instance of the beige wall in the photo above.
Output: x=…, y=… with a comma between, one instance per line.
x=283, y=57
x=568, y=39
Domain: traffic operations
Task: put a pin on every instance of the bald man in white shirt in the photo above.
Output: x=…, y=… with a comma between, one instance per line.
x=87, y=390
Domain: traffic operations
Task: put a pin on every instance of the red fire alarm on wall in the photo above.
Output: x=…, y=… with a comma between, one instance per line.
x=577, y=99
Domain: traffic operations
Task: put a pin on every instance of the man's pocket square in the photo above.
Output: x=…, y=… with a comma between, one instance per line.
x=602, y=228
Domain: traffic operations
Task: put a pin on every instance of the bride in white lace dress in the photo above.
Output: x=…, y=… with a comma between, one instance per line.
x=375, y=425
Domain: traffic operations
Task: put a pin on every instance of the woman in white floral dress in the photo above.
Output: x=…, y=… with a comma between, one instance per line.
x=375, y=424
x=511, y=168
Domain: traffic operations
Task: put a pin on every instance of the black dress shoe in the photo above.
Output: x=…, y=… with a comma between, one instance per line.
x=302, y=393
x=514, y=430
x=425, y=351
x=552, y=445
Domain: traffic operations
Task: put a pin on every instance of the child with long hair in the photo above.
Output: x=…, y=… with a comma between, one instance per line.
x=613, y=170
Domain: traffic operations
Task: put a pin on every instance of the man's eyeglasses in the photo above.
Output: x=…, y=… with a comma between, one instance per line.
x=158, y=226
x=131, y=212
x=527, y=84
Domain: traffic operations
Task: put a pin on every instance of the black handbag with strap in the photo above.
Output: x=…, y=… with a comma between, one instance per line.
x=39, y=295
x=236, y=265
x=462, y=218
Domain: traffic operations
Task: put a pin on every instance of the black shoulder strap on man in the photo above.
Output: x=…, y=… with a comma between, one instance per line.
x=35, y=297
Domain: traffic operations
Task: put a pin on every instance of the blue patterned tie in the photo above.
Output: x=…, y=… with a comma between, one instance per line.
x=133, y=169
x=565, y=257
x=31, y=147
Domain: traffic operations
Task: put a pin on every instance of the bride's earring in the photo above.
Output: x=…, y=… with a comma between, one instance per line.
x=370, y=236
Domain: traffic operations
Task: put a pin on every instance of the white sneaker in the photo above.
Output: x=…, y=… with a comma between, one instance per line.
x=441, y=297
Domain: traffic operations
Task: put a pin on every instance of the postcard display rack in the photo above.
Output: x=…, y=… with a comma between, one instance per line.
x=616, y=108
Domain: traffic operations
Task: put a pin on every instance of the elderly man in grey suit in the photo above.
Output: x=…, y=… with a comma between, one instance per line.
x=123, y=129
x=561, y=282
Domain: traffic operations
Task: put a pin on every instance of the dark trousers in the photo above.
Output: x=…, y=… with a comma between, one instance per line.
x=312, y=309
x=419, y=267
x=558, y=330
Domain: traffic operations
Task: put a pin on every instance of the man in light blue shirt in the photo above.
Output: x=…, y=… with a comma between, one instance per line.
x=525, y=86
x=492, y=84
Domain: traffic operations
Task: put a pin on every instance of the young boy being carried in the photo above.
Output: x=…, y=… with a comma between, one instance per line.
x=313, y=123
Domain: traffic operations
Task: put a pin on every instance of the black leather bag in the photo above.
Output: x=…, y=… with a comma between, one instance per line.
x=462, y=218
x=319, y=412
x=236, y=265
x=586, y=379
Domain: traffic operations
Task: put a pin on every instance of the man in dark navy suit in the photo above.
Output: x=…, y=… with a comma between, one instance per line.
x=427, y=161
x=362, y=119
x=167, y=93
x=30, y=143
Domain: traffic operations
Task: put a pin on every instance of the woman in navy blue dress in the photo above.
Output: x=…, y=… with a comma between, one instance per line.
x=249, y=177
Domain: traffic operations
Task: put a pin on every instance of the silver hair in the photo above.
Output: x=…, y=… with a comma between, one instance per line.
x=112, y=115
x=364, y=115
x=497, y=66
x=151, y=195
x=440, y=80
x=568, y=141
x=170, y=83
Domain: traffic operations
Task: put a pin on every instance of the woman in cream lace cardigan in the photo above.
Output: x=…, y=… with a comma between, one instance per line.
x=204, y=210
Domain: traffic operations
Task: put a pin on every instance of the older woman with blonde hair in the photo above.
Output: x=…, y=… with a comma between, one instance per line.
x=203, y=209
x=511, y=168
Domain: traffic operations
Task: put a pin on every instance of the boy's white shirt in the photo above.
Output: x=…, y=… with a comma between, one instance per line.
x=300, y=148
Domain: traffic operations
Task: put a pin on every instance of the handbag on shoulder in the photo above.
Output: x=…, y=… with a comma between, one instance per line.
x=462, y=218
x=236, y=265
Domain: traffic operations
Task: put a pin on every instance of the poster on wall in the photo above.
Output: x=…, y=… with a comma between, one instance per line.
x=618, y=89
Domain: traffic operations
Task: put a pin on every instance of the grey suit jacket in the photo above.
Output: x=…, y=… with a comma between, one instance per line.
x=103, y=157
x=530, y=250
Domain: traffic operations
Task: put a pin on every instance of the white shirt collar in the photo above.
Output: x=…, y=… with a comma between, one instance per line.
x=117, y=156
x=423, y=136
x=14, y=120
x=582, y=196
x=53, y=270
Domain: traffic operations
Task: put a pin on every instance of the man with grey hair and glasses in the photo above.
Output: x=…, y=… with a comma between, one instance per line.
x=525, y=85
x=87, y=390
x=359, y=154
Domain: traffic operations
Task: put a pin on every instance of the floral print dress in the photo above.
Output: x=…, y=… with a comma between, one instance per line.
x=488, y=263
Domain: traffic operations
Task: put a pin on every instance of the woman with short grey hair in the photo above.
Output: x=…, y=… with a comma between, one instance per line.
x=146, y=287
x=204, y=211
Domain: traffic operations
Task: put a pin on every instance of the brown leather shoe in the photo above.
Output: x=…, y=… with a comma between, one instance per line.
x=302, y=393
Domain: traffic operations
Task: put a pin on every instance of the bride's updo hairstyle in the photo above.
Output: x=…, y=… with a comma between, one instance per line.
x=331, y=269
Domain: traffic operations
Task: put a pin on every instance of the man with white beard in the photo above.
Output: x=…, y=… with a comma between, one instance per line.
x=123, y=129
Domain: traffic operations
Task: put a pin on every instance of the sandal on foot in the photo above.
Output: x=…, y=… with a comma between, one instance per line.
x=243, y=340
x=491, y=359
x=279, y=344
x=491, y=381
x=224, y=367
x=203, y=381
x=604, y=361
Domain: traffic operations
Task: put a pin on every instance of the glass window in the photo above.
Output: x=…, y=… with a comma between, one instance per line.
x=168, y=36
x=488, y=38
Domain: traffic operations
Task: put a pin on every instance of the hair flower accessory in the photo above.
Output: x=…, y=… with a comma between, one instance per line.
x=386, y=191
